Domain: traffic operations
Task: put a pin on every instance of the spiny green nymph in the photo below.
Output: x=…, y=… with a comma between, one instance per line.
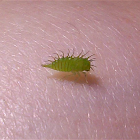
x=71, y=63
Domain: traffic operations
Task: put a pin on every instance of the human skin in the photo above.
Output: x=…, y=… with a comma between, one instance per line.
x=32, y=105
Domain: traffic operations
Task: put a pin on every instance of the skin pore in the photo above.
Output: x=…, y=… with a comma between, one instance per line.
x=35, y=106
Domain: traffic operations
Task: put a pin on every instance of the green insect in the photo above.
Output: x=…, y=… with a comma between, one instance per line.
x=70, y=63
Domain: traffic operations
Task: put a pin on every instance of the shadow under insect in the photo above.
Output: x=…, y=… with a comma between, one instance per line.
x=77, y=78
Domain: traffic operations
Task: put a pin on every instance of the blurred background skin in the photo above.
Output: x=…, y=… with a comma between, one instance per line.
x=35, y=106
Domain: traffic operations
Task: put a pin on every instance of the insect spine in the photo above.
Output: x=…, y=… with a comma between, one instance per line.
x=71, y=63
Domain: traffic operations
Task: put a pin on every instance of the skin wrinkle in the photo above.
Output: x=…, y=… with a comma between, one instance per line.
x=77, y=103
x=73, y=99
x=10, y=115
x=66, y=38
x=82, y=33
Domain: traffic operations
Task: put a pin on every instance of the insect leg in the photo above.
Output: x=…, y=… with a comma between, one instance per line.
x=78, y=73
x=85, y=76
x=68, y=75
x=76, y=78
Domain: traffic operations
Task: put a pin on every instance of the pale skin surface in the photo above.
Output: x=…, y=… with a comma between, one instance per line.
x=35, y=106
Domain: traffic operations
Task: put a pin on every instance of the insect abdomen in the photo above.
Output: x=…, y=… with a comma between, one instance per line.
x=69, y=64
x=61, y=65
